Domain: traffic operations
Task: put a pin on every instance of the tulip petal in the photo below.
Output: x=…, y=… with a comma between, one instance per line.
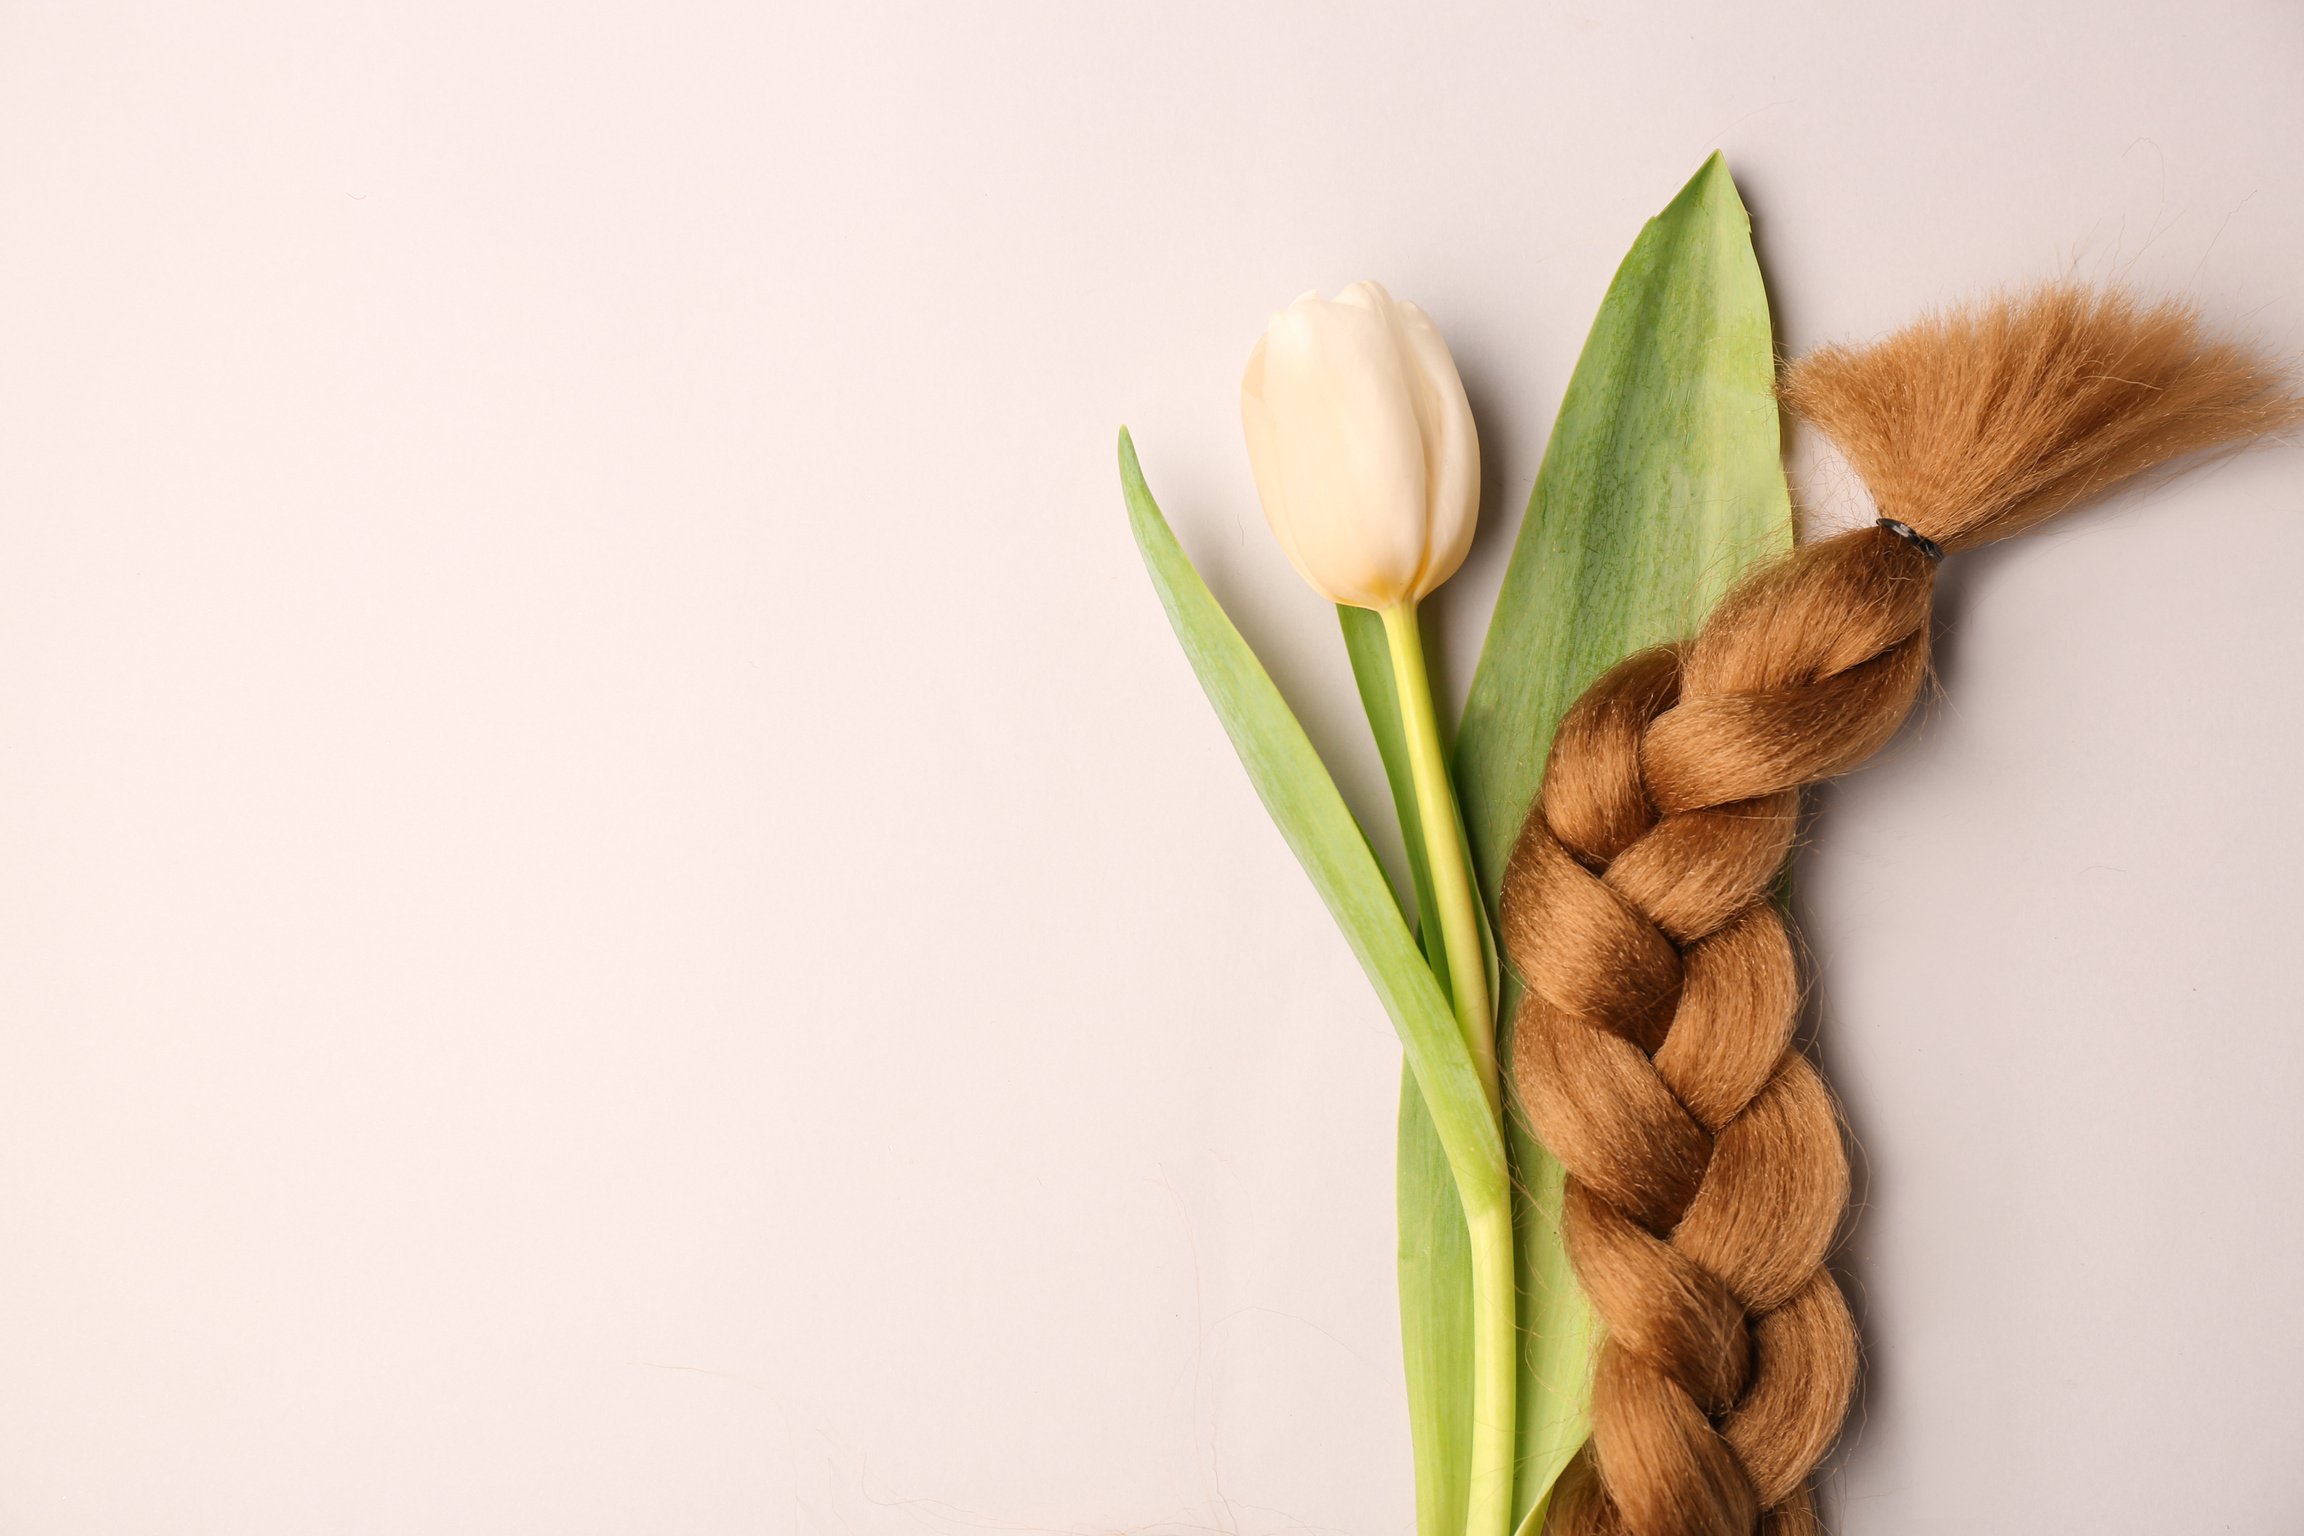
x=1331, y=425
x=1451, y=446
x=1258, y=427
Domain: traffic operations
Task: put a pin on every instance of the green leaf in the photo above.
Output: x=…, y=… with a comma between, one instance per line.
x=1303, y=801
x=1662, y=482
x=1435, y=1269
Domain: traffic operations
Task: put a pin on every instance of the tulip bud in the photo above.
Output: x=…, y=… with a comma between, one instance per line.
x=1363, y=447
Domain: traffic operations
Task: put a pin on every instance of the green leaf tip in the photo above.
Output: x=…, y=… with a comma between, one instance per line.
x=1712, y=184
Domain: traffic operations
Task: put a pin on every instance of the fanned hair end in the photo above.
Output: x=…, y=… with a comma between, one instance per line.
x=1981, y=421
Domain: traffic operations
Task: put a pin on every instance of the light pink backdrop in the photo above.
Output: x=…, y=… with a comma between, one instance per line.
x=617, y=914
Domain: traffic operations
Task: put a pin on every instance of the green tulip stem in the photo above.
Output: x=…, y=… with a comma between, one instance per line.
x=1487, y=1211
x=1458, y=918
x=1495, y=1359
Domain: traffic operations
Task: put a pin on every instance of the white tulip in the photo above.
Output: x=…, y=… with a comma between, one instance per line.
x=1363, y=447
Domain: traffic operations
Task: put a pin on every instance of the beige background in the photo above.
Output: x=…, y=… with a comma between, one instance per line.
x=617, y=914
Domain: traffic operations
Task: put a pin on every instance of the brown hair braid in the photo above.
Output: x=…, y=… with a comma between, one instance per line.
x=1653, y=1049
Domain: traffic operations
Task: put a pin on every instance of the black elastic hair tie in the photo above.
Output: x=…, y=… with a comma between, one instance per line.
x=1914, y=537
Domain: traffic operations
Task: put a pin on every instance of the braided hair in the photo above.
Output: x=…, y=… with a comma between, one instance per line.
x=1653, y=1049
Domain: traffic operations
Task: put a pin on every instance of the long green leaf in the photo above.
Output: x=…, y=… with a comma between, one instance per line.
x=1435, y=1269
x=1303, y=801
x=1662, y=482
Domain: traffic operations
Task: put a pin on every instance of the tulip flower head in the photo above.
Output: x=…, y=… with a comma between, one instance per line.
x=1363, y=447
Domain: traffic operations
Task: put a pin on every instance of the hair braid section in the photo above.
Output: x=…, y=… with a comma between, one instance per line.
x=1653, y=1048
